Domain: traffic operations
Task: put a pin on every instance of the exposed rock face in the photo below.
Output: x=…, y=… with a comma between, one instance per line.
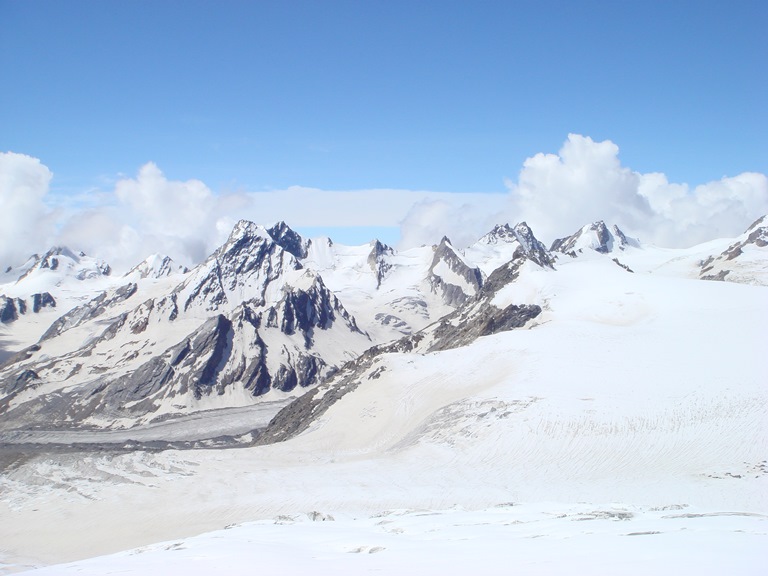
x=530, y=246
x=461, y=329
x=377, y=260
x=242, y=269
x=88, y=311
x=722, y=266
x=504, y=244
x=595, y=236
x=40, y=301
x=533, y=249
x=12, y=308
x=451, y=277
x=289, y=240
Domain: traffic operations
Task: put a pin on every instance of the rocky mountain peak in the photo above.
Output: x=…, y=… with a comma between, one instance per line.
x=156, y=266
x=500, y=233
x=377, y=260
x=65, y=262
x=290, y=240
x=244, y=231
x=595, y=236
x=451, y=276
x=533, y=248
x=241, y=269
x=505, y=243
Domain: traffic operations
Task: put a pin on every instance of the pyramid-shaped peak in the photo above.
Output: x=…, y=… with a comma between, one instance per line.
x=500, y=233
x=157, y=266
x=246, y=228
x=595, y=236
x=243, y=234
x=378, y=247
x=524, y=234
x=290, y=240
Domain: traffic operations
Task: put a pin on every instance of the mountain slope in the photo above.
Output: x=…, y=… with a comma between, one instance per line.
x=247, y=320
x=744, y=260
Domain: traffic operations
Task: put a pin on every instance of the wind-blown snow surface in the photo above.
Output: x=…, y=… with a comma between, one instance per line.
x=627, y=423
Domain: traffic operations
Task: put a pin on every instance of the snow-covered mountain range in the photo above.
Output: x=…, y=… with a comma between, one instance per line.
x=270, y=311
x=358, y=380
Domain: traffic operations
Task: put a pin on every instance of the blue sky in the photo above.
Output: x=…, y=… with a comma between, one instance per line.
x=369, y=95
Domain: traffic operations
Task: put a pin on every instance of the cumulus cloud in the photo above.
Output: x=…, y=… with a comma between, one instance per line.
x=585, y=181
x=24, y=185
x=148, y=214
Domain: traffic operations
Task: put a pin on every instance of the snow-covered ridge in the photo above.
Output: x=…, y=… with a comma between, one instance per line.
x=743, y=260
x=596, y=236
x=155, y=266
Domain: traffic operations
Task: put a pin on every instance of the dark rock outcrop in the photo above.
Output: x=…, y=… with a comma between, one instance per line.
x=377, y=260
x=452, y=294
x=289, y=240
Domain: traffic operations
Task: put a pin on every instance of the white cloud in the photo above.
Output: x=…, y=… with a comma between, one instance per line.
x=26, y=221
x=144, y=215
x=462, y=219
x=558, y=193
x=721, y=208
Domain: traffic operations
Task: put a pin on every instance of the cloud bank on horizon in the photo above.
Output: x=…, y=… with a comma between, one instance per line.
x=555, y=193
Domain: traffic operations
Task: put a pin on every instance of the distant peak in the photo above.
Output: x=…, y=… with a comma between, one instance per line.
x=63, y=251
x=378, y=247
x=245, y=227
x=595, y=236
x=157, y=266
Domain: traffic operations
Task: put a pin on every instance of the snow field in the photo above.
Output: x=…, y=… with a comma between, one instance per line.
x=539, y=539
